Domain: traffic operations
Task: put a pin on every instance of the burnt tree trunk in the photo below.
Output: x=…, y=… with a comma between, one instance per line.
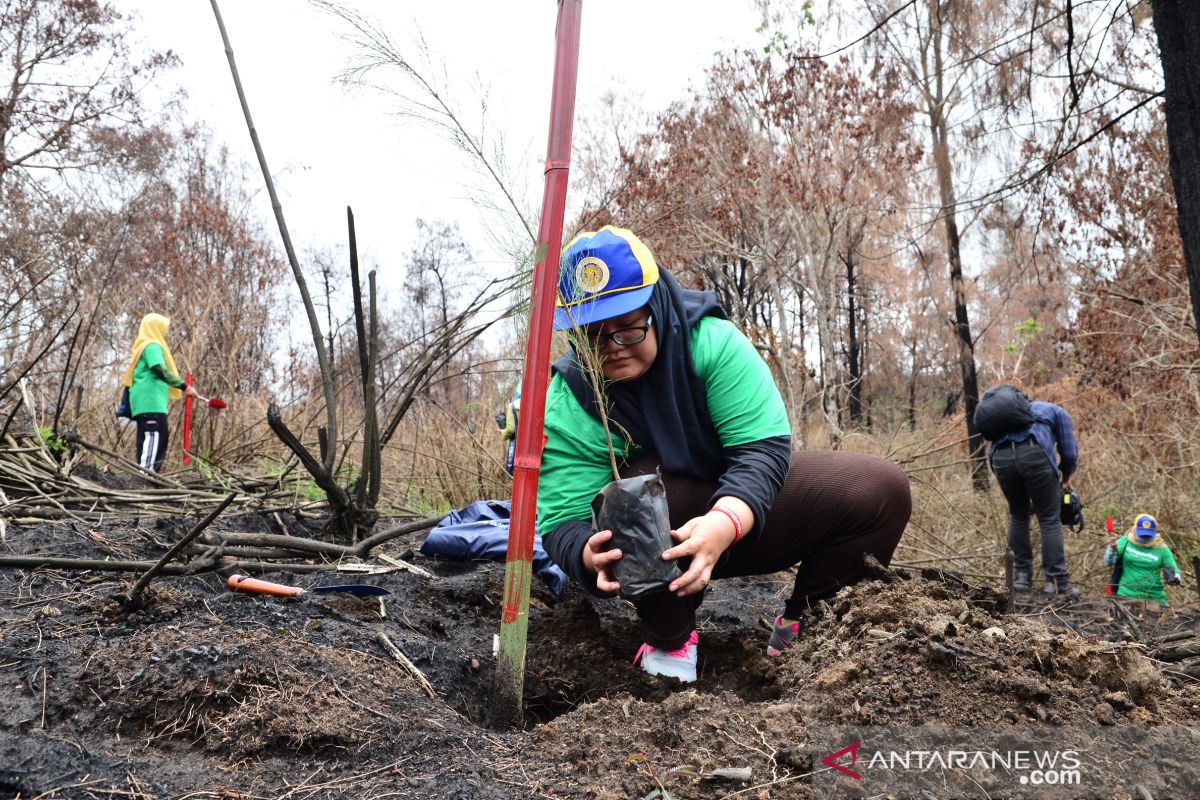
x=347, y=518
x=912, y=387
x=1177, y=23
x=949, y=205
x=329, y=438
x=854, y=357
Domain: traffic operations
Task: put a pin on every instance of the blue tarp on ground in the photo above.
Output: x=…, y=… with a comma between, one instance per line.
x=479, y=532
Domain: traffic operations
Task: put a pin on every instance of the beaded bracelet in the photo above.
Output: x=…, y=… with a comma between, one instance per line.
x=737, y=523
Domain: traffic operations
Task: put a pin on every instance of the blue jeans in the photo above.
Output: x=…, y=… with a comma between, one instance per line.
x=1027, y=477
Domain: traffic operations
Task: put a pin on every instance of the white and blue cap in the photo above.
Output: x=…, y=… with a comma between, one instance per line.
x=603, y=274
x=1146, y=527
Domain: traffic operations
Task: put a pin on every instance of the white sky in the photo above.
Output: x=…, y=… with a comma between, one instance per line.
x=329, y=147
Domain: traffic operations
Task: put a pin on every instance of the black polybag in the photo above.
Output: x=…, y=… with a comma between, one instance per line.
x=635, y=510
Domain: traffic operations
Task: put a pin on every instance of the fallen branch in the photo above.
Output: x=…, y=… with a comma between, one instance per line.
x=405, y=566
x=256, y=553
x=116, y=565
x=364, y=547
x=1191, y=670
x=203, y=565
x=133, y=600
x=303, y=547
x=306, y=547
x=404, y=662
x=1177, y=653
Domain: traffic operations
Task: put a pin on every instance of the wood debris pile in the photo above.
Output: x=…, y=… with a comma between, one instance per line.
x=87, y=483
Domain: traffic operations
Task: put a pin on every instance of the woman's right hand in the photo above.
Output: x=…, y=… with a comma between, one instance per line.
x=190, y=391
x=598, y=560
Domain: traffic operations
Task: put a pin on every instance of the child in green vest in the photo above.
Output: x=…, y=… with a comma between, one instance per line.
x=1143, y=560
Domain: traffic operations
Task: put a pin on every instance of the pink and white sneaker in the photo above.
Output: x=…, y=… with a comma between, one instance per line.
x=680, y=663
x=782, y=636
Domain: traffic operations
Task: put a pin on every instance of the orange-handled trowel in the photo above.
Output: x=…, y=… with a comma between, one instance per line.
x=244, y=583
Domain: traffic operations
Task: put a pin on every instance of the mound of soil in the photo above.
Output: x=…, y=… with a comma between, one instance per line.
x=207, y=693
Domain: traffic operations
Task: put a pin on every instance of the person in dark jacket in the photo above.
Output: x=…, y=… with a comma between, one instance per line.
x=687, y=393
x=1032, y=476
x=153, y=382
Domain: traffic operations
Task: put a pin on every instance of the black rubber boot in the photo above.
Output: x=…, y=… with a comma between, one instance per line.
x=1022, y=582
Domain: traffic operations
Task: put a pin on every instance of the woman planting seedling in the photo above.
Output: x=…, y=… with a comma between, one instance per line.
x=684, y=393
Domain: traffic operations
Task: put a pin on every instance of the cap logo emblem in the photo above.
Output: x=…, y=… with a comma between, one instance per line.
x=591, y=275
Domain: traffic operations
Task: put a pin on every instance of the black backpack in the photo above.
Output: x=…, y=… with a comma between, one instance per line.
x=1002, y=409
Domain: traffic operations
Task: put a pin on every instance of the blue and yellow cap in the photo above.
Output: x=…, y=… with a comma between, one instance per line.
x=603, y=274
x=1145, y=526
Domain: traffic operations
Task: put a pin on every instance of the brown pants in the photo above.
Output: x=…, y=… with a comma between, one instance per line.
x=833, y=508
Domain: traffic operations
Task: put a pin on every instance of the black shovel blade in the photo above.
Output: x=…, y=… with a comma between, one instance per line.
x=356, y=589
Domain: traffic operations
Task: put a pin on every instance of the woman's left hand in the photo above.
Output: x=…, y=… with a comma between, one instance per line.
x=704, y=539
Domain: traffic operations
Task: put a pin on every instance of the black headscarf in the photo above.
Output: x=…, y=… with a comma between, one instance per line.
x=664, y=411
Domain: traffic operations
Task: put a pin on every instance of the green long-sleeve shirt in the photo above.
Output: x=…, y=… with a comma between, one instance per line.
x=1141, y=573
x=152, y=381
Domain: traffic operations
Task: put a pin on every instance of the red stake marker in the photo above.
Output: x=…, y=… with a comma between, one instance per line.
x=187, y=425
x=509, y=679
x=1108, y=526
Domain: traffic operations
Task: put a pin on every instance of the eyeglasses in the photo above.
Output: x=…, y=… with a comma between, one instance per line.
x=623, y=336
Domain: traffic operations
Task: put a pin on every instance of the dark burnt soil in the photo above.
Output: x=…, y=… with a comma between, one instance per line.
x=207, y=693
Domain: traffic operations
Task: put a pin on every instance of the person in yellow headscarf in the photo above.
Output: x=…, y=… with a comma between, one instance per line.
x=153, y=381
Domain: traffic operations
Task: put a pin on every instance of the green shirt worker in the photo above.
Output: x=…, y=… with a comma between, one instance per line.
x=687, y=394
x=154, y=382
x=1144, y=560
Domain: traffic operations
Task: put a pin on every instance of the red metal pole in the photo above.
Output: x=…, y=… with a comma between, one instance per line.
x=187, y=425
x=508, y=687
